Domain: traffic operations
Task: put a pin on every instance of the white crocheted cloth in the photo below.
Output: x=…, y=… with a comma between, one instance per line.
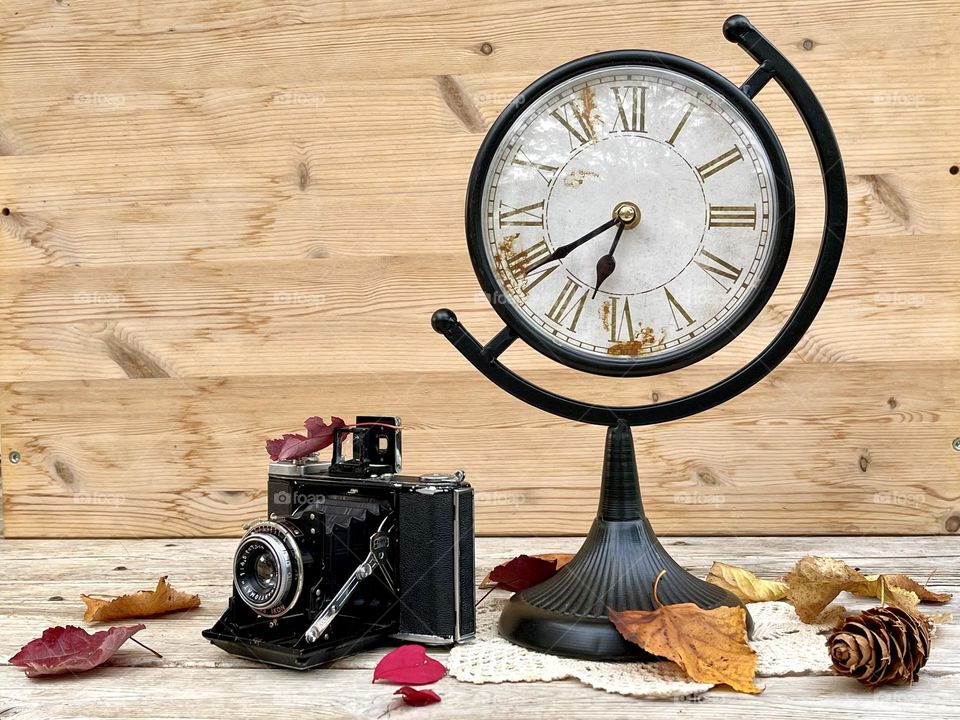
x=784, y=646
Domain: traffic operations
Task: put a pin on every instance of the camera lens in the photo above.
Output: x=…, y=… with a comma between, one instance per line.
x=268, y=569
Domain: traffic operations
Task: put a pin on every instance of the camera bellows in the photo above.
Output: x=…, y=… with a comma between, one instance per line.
x=881, y=646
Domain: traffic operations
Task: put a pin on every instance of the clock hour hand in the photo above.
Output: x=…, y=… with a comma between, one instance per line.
x=606, y=264
x=564, y=250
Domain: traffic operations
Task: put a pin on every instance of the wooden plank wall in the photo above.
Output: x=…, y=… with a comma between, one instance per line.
x=220, y=218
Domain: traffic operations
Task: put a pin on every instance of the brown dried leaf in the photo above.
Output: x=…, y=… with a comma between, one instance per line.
x=944, y=618
x=923, y=594
x=744, y=584
x=831, y=616
x=560, y=558
x=814, y=582
x=710, y=645
x=878, y=586
x=145, y=603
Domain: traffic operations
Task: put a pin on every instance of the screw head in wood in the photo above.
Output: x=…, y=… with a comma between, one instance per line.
x=14, y=457
x=956, y=444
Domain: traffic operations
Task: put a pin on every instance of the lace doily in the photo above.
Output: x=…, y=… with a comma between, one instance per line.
x=784, y=646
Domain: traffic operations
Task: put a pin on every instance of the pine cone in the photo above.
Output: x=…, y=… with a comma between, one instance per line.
x=884, y=645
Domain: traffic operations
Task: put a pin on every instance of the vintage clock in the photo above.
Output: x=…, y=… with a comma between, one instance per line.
x=628, y=214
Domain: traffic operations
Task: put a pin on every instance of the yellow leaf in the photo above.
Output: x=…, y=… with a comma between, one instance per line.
x=923, y=594
x=145, y=603
x=879, y=586
x=710, y=645
x=744, y=584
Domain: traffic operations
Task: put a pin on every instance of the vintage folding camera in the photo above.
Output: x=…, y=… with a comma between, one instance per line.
x=352, y=555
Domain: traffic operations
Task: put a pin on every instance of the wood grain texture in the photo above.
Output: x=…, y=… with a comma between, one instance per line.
x=218, y=220
x=194, y=679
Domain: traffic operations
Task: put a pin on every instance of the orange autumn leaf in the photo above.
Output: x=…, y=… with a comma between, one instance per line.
x=709, y=645
x=560, y=558
x=145, y=603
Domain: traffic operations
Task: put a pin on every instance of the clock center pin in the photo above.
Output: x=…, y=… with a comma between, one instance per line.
x=627, y=213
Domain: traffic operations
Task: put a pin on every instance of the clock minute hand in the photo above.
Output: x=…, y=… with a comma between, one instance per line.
x=564, y=250
x=606, y=264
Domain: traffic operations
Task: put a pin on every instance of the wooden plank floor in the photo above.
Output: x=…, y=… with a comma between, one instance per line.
x=42, y=581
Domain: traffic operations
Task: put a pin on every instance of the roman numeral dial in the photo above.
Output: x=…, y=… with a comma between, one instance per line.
x=568, y=305
x=721, y=161
x=544, y=170
x=576, y=121
x=733, y=216
x=721, y=271
x=628, y=214
x=527, y=215
x=631, y=108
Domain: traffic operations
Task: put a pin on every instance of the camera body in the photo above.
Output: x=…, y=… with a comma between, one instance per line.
x=351, y=554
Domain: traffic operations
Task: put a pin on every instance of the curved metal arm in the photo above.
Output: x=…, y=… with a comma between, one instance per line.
x=772, y=65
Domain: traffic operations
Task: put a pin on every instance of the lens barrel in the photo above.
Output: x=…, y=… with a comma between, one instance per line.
x=268, y=569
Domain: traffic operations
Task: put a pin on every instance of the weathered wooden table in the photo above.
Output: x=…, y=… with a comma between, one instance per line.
x=42, y=582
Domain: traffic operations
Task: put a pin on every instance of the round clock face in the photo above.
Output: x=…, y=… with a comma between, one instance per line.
x=626, y=218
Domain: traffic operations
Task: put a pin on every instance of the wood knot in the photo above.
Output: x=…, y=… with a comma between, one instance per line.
x=705, y=477
x=486, y=49
x=134, y=361
x=460, y=104
x=952, y=524
x=864, y=463
x=889, y=198
x=64, y=473
x=303, y=176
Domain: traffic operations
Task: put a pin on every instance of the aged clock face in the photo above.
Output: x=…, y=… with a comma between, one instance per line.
x=628, y=218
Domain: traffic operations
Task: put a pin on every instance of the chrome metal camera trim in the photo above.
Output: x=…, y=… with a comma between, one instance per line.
x=284, y=569
x=456, y=564
x=285, y=539
x=293, y=468
x=439, y=477
x=425, y=639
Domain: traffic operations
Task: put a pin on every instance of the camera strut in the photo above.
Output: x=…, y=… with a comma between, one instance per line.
x=376, y=560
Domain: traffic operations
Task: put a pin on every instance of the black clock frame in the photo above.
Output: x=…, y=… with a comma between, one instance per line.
x=780, y=238
x=622, y=559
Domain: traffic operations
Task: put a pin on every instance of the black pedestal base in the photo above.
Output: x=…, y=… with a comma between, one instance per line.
x=615, y=569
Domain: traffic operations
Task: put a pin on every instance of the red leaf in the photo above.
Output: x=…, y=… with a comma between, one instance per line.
x=294, y=445
x=409, y=665
x=523, y=572
x=275, y=447
x=71, y=649
x=417, y=698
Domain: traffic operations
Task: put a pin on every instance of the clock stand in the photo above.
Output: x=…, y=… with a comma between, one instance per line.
x=621, y=558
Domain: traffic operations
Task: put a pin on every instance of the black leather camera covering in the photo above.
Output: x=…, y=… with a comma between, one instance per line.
x=431, y=565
